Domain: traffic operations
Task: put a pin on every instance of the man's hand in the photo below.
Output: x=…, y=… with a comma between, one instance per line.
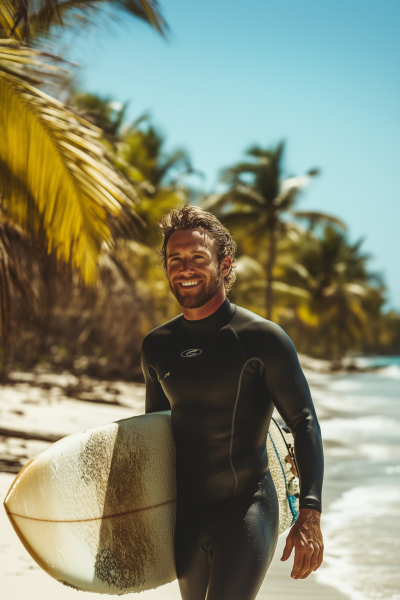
x=306, y=538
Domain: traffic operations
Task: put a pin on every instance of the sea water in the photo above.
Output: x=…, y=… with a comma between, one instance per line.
x=360, y=423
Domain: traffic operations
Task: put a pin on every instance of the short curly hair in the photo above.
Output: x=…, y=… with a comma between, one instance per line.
x=189, y=217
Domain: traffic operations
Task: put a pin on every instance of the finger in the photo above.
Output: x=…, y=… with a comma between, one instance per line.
x=320, y=558
x=299, y=554
x=314, y=558
x=313, y=563
x=305, y=567
x=288, y=548
x=306, y=564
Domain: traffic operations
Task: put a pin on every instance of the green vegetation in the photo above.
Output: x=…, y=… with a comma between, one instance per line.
x=62, y=189
x=80, y=277
x=256, y=203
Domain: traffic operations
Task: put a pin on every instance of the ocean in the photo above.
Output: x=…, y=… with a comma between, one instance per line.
x=360, y=422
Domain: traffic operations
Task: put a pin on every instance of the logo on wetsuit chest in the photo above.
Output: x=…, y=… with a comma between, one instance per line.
x=191, y=352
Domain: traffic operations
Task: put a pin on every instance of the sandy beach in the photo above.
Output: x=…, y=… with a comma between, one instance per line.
x=38, y=407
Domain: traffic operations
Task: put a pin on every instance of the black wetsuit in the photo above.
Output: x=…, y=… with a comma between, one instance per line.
x=221, y=377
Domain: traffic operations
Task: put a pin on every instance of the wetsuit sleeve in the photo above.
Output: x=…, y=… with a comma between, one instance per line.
x=291, y=395
x=156, y=400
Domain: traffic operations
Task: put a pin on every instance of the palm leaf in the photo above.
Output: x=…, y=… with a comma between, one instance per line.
x=38, y=19
x=232, y=175
x=315, y=218
x=242, y=198
x=7, y=23
x=179, y=160
x=56, y=177
x=290, y=290
x=274, y=155
x=11, y=274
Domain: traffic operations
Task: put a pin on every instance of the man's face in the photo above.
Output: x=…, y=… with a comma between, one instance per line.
x=192, y=267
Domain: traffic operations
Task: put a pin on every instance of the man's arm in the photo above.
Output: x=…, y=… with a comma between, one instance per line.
x=291, y=395
x=156, y=400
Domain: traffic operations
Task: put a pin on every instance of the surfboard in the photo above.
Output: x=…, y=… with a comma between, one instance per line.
x=96, y=510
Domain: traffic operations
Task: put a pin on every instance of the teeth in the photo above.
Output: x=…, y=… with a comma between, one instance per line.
x=189, y=283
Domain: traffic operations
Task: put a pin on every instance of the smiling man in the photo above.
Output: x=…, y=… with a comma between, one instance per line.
x=221, y=370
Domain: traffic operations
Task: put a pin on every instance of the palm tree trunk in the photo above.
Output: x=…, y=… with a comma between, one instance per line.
x=4, y=303
x=270, y=269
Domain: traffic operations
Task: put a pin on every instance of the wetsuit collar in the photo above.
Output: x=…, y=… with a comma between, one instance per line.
x=214, y=322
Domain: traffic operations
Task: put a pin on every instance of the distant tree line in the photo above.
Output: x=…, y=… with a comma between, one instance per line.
x=80, y=276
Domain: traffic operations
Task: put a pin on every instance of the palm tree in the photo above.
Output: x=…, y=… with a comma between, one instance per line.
x=258, y=201
x=142, y=157
x=142, y=148
x=63, y=184
x=10, y=272
x=105, y=113
x=57, y=178
x=340, y=288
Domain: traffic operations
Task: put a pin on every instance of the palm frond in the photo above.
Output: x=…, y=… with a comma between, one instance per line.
x=267, y=155
x=290, y=290
x=249, y=268
x=295, y=183
x=11, y=274
x=231, y=175
x=242, y=198
x=34, y=20
x=56, y=177
x=315, y=218
x=7, y=23
x=102, y=111
x=178, y=160
x=213, y=202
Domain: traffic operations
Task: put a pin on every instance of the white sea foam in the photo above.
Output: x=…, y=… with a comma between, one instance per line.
x=361, y=544
x=361, y=527
x=393, y=372
x=392, y=470
x=367, y=429
x=346, y=403
x=345, y=385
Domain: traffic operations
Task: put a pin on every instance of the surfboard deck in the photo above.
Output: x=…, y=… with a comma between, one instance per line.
x=96, y=510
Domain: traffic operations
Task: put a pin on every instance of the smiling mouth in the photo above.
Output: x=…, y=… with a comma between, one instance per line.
x=187, y=284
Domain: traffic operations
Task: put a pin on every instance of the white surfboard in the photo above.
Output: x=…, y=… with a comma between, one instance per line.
x=96, y=510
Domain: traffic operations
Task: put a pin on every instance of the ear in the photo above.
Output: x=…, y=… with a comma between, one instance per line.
x=226, y=265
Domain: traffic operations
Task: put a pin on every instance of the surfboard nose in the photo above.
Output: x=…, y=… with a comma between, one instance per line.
x=96, y=510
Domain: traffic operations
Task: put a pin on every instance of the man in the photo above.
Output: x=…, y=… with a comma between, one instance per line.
x=221, y=369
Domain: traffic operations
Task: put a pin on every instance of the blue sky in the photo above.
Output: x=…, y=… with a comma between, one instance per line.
x=324, y=75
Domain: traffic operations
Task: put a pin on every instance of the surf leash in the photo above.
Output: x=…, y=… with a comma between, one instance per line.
x=291, y=499
x=288, y=446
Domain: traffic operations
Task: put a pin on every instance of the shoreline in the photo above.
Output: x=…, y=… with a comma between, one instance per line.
x=41, y=406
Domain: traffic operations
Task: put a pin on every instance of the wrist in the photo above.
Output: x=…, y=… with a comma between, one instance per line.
x=307, y=513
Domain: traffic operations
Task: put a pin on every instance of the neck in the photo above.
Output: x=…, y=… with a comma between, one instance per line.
x=194, y=314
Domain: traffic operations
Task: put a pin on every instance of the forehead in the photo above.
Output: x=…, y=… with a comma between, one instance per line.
x=191, y=239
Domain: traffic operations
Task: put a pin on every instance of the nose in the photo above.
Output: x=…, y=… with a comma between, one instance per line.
x=186, y=266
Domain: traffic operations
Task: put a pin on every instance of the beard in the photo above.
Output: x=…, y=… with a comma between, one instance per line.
x=204, y=295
